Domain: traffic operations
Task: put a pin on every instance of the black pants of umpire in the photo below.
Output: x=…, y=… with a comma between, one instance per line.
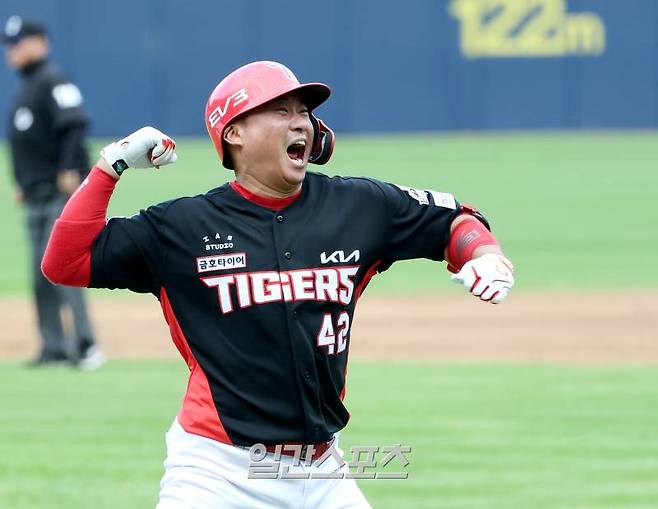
x=51, y=300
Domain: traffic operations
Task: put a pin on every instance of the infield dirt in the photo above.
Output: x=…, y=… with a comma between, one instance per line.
x=583, y=328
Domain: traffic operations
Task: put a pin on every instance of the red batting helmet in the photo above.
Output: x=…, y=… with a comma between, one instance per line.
x=253, y=85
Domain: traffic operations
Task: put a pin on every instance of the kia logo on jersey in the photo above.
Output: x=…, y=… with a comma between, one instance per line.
x=339, y=257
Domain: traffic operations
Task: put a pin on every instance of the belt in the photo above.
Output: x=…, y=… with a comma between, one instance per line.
x=302, y=450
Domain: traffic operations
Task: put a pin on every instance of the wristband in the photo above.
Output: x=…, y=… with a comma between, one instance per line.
x=464, y=240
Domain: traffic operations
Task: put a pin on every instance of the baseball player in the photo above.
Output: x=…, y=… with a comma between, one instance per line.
x=258, y=280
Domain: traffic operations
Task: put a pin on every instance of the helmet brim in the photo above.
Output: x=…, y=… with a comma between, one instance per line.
x=313, y=94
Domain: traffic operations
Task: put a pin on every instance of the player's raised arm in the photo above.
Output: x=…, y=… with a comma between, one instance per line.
x=477, y=259
x=434, y=225
x=67, y=259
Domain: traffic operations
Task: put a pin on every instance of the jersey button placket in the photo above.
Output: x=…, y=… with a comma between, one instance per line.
x=305, y=372
x=280, y=218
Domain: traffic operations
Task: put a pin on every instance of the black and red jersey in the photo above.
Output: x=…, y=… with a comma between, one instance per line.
x=260, y=294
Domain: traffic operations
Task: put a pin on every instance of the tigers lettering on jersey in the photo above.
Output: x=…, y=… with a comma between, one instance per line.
x=252, y=288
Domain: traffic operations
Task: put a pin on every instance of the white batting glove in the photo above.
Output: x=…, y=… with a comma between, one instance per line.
x=145, y=148
x=489, y=277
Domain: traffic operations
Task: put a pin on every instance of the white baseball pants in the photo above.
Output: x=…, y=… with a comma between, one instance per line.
x=201, y=473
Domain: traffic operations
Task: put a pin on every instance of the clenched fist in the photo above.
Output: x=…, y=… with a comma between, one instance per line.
x=145, y=148
x=489, y=277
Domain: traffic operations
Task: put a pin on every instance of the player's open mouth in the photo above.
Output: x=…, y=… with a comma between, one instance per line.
x=296, y=151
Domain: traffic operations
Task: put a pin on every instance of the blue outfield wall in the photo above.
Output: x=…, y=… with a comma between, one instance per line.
x=393, y=66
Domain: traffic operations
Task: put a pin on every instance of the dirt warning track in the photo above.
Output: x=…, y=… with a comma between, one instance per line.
x=587, y=328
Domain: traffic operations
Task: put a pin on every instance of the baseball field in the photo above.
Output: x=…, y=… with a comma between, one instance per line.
x=547, y=401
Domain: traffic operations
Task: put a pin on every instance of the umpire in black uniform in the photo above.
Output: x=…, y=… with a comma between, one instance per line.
x=47, y=127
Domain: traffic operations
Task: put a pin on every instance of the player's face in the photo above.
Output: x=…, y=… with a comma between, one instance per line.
x=276, y=142
x=27, y=50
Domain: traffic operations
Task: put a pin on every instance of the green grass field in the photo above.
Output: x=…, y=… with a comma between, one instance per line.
x=574, y=212
x=482, y=436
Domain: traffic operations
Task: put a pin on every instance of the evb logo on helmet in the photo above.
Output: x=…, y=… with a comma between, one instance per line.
x=231, y=101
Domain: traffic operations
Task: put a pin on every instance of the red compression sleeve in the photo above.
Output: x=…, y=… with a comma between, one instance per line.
x=466, y=238
x=67, y=259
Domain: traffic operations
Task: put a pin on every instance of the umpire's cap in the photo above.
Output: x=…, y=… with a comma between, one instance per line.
x=16, y=28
